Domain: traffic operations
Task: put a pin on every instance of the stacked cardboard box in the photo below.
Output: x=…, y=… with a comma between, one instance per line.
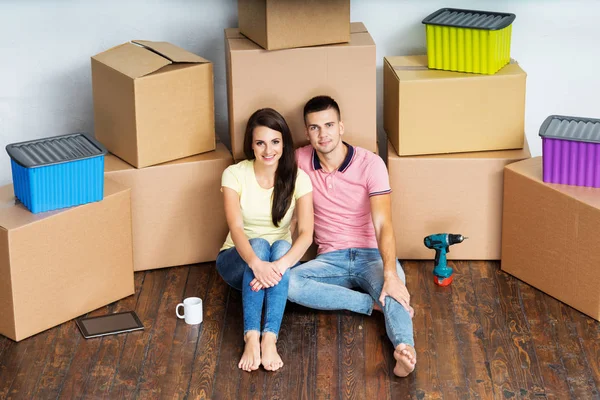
x=550, y=236
x=57, y=265
x=286, y=79
x=450, y=136
x=276, y=24
x=154, y=111
x=176, y=208
x=286, y=52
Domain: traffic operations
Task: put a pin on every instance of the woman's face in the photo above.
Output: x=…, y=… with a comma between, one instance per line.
x=267, y=145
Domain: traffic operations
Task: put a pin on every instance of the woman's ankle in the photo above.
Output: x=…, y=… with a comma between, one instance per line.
x=269, y=337
x=251, y=335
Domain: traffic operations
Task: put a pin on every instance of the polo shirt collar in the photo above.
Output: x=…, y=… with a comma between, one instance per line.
x=317, y=163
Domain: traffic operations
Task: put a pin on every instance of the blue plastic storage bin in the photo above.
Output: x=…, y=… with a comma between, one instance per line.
x=57, y=172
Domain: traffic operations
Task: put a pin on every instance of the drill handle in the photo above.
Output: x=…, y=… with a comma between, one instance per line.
x=440, y=259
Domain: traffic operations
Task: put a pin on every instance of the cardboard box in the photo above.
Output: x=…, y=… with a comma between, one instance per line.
x=435, y=112
x=286, y=24
x=286, y=79
x=58, y=265
x=153, y=102
x=177, y=208
x=449, y=193
x=550, y=236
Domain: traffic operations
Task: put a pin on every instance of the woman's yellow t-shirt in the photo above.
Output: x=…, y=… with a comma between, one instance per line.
x=255, y=203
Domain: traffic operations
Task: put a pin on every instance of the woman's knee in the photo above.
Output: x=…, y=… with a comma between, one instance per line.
x=261, y=248
x=279, y=249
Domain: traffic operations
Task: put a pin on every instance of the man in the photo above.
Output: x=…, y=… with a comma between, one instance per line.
x=354, y=233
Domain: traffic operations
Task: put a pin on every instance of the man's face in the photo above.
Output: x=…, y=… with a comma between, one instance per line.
x=324, y=130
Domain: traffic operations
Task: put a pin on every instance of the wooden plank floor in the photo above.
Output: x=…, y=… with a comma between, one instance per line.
x=488, y=336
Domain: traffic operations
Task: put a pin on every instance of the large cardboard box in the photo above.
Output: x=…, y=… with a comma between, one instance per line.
x=58, y=265
x=286, y=24
x=177, y=208
x=286, y=79
x=428, y=111
x=153, y=102
x=550, y=236
x=449, y=193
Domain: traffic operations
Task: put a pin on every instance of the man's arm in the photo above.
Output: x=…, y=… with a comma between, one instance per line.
x=381, y=214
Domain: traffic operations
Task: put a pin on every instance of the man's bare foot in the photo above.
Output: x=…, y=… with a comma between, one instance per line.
x=406, y=358
x=250, y=360
x=270, y=357
x=376, y=307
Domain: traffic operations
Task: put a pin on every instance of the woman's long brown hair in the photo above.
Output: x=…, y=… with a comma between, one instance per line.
x=287, y=170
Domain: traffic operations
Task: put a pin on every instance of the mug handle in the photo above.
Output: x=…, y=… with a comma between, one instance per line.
x=177, y=311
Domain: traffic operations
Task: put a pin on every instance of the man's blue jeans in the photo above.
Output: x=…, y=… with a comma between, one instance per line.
x=325, y=283
x=236, y=272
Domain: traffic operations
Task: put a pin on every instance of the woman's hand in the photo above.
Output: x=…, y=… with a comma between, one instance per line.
x=281, y=267
x=266, y=274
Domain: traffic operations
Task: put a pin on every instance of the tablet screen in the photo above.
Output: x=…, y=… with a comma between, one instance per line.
x=112, y=323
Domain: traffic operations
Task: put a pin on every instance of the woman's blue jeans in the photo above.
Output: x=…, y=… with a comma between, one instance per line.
x=236, y=272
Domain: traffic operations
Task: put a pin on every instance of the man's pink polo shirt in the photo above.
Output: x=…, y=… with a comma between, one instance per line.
x=341, y=198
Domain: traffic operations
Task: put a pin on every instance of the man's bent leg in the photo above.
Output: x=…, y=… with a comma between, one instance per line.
x=398, y=322
x=369, y=270
x=324, y=284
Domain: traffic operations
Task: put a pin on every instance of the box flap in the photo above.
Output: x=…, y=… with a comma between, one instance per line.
x=415, y=67
x=516, y=154
x=171, y=52
x=132, y=60
x=14, y=215
x=532, y=169
x=359, y=36
x=113, y=163
x=234, y=33
x=357, y=27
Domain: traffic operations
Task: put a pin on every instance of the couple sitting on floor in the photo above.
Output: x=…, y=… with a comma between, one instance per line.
x=339, y=191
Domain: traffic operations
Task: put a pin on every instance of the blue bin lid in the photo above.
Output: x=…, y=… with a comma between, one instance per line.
x=55, y=150
x=571, y=128
x=473, y=19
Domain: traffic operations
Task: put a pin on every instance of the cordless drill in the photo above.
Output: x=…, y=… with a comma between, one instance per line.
x=441, y=243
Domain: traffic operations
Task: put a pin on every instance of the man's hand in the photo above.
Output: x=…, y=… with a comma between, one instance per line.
x=395, y=288
x=266, y=274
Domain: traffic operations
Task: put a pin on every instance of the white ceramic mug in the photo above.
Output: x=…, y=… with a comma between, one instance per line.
x=192, y=310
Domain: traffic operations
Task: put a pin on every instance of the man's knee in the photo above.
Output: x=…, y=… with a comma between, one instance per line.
x=261, y=248
x=296, y=284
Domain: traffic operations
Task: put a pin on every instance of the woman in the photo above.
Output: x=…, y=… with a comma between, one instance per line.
x=261, y=193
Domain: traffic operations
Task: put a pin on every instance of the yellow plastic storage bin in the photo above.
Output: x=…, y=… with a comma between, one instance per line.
x=468, y=40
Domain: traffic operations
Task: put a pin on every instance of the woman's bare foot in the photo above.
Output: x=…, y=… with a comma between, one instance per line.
x=270, y=357
x=376, y=307
x=406, y=358
x=250, y=360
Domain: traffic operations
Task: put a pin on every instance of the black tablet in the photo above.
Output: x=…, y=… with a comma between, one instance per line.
x=110, y=324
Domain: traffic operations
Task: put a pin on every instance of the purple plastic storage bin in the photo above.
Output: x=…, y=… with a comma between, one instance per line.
x=571, y=150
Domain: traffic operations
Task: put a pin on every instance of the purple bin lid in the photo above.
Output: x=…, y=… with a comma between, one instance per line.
x=55, y=150
x=571, y=128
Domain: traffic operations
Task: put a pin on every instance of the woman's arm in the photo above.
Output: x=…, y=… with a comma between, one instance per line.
x=305, y=225
x=265, y=272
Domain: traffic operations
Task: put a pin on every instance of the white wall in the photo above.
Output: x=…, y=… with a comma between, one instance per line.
x=45, y=49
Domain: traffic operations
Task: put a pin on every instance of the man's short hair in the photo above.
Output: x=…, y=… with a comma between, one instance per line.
x=321, y=103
